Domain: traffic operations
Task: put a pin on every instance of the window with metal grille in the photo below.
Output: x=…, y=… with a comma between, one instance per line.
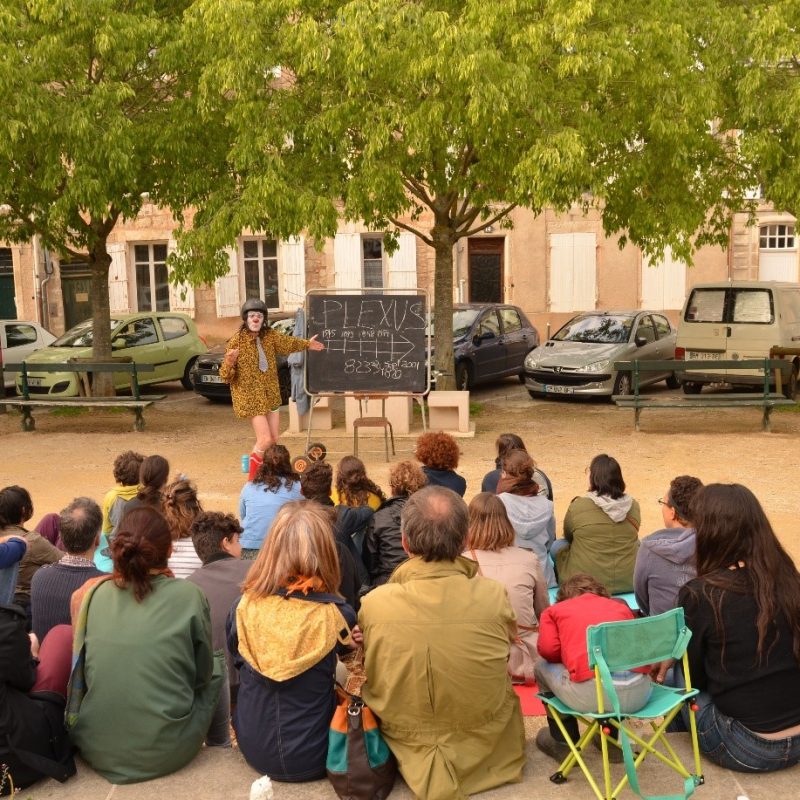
x=372, y=262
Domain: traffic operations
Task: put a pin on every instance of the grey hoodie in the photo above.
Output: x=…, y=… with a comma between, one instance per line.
x=535, y=525
x=617, y=509
x=665, y=561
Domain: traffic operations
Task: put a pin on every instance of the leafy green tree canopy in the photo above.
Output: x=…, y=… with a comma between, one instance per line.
x=440, y=116
x=98, y=114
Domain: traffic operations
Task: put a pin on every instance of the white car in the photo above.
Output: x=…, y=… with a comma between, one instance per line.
x=18, y=339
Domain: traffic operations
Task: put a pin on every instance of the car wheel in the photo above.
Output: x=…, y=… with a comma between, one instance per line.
x=790, y=389
x=690, y=387
x=285, y=385
x=186, y=380
x=622, y=385
x=463, y=376
x=673, y=382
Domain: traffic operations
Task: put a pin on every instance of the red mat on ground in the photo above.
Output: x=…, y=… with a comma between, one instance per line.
x=531, y=705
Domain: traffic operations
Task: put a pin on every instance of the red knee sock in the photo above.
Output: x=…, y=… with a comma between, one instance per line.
x=255, y=462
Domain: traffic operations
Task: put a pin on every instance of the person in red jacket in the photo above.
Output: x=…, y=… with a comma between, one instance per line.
x=564, y=668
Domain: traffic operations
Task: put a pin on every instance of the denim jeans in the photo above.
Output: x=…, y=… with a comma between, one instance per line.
x=727, y=742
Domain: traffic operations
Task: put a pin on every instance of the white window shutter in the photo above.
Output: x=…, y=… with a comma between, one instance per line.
x=118, y=278
x=777, y=265
x=181, y=296
x=403, y=263
x=292, y=261
x=584, y=285
x=561, y=273
x=663, y=283
x=347, y=261
x=226, y=288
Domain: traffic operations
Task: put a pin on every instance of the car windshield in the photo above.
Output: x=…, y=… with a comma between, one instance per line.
x=462, y=321
x=81, y=334
x=596, y=329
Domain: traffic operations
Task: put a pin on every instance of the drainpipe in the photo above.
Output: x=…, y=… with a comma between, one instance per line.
x=48, y=271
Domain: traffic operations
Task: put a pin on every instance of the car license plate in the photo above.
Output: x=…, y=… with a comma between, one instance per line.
x=211, y=379
x=558, y=389
x=703, y=355
x=35, y=381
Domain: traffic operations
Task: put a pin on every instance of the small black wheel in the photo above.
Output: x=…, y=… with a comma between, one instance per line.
x=790, y=389
x=463, y=376
x=622, y=385
x=690, y=387
x=317, y=451
x=301, y=464
x=673, y=382
x=186, y=380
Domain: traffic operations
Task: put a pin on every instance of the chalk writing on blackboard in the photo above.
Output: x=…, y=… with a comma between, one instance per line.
x=373, y=343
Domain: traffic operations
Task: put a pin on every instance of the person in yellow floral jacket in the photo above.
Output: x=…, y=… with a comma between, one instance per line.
x=250, y=367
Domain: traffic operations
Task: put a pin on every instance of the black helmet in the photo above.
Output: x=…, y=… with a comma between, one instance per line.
x=254, y=304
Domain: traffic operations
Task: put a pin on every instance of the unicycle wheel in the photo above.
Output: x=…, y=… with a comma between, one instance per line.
x=317, y=451
x=301, y=463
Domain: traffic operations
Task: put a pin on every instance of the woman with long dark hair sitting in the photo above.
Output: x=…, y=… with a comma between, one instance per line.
x=743, y=609
x=146, y=681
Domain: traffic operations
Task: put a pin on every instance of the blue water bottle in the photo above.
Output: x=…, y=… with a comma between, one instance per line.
x=245, y=463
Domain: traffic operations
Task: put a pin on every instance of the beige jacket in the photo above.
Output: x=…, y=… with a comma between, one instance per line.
x=436, y=642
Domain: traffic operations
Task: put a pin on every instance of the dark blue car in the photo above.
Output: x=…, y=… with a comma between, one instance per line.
x=490, y=341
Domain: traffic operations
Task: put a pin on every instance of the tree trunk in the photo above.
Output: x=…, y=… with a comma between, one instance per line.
x=443, y=366
x=100, y=262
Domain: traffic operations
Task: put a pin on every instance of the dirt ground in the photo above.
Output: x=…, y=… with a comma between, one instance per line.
x=71, y=454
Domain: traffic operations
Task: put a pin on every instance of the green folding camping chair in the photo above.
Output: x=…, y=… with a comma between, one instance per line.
x=617, y=646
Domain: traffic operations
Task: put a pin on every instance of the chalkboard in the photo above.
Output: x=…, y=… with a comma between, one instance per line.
x=373, y=343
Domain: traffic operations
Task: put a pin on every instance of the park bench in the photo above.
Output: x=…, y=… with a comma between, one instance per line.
x=137, y=402
x=766, y=399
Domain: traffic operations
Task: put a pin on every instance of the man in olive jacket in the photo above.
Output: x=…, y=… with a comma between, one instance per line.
x=436, y=641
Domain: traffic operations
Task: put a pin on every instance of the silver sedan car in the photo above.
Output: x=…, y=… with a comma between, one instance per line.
x=579, y=358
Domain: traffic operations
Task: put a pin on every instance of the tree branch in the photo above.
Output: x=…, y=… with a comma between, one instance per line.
x=406, y=227
x=491, y=221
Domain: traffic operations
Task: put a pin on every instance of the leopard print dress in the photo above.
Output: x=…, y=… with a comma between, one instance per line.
x=254, y=392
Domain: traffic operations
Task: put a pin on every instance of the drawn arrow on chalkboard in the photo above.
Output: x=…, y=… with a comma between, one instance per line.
x=395, y=348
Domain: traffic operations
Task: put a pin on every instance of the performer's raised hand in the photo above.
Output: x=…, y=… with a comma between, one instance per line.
x=232, y=356
x=313, y=344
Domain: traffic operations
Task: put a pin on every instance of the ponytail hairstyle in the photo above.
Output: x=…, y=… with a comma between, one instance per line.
x=276, y=469
x=352, y=484
x=153, y=475
x=142, y=543
x=16, y=506
x=181, y=507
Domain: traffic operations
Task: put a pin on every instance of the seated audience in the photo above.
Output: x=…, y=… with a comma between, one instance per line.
x=284, y=634
x=12, y=549
x=16, y=508
x=564, y=667
x=216, y=540
x=52, y=586
x=383, y=544
x=743, y=609
x=275, y=483
x=436, y=643
x=665, y=560
x=506, y=442
x=143, y=641
x=315, y=484
x=126, y=473
x=33, y=688
x=490, y=542
x=153, y=476
x=601, y=530
x=353, y=488
x=181, y=508
x=531, y=514
x=439, y=453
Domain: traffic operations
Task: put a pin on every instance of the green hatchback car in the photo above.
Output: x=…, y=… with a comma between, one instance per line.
x=167, y=340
